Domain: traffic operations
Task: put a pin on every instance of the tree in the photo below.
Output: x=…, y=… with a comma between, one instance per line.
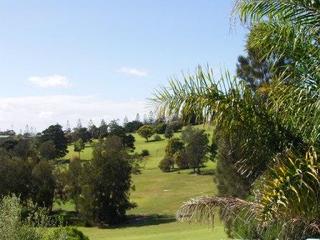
x=81, y=133
x=79, y=146
x=106, y=183
x=253, y=71
x=174, y=145
x=146, y=131
x=132, y=126
x=43, y=184
x=196, y=147
x=116, y=130
x=103, y=129
x=175, y=125
x=56, y=135
x=74, y=180
x=160, y=128
x=47, y=150
x=15, y=176
x=93, y=130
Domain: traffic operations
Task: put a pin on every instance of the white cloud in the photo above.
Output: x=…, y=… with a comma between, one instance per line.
x=51, y=81
x=41, y=111
x=133, y=71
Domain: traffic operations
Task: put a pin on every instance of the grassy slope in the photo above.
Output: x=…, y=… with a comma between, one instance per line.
x=160, y=194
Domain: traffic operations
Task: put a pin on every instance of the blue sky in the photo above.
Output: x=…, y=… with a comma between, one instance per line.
x=64, y=60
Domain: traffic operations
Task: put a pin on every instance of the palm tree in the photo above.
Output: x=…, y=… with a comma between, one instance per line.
x=277, y=129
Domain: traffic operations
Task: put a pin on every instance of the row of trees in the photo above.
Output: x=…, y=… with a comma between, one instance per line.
x=266, y=125
x=100, y=188
x=160, y=127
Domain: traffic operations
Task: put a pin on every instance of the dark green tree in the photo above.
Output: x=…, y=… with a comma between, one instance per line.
x=55, y=134
x=106, y=183
x=132, y=126
x=43, y=184
x=47, y=150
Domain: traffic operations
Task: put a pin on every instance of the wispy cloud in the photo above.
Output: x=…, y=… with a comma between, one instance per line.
x=133, y=71
x=51, y=81
x=41, y=111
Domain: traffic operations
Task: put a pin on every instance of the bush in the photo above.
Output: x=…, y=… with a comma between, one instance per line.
x=166, y=164
x=181, y=160
x=11, y=226
x=65, y=234
x=157, y=138
x=145, y=153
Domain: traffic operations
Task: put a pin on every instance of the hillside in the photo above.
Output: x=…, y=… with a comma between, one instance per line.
x=158, y=196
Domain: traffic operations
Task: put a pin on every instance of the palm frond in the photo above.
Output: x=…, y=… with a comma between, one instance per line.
x=302, y=12
x=203, y=209
x=196, y=94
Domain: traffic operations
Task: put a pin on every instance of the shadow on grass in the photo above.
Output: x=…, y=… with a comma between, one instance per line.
x=144, y=220
x=211, y=172
x=153, y=140
x=71, y=218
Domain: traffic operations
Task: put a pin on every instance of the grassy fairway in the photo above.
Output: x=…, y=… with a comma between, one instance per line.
x=158, y=196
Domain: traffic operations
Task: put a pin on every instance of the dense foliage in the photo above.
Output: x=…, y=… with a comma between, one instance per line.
x=105, y=183
x=13, y=226
x=267, y=134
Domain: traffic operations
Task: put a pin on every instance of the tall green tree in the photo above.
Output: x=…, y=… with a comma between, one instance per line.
x=55, y=134
x=106, y=183
x=196, y=147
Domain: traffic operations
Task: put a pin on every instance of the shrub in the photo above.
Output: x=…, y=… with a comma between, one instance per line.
x=166, y=164
x=181, y=160
x=157, y=138
x=11, y=226
x=145, y=153
x=65, y=234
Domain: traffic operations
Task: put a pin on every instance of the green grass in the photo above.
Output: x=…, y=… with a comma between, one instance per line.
x=85, y=154
x=158, y=196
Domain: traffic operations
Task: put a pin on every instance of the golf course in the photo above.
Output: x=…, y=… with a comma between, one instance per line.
x=158, y=196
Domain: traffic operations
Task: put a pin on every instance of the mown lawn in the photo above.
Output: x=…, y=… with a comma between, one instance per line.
x=158, y=196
